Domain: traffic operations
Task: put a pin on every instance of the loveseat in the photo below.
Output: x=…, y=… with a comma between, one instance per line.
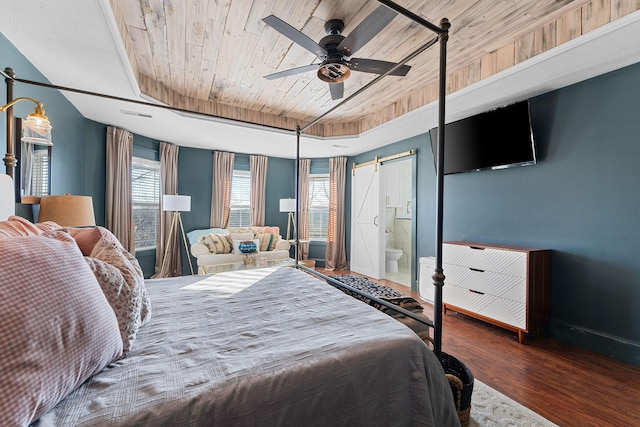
x=217, y=246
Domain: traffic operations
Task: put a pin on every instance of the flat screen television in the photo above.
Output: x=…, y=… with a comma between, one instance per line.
x=496, y=139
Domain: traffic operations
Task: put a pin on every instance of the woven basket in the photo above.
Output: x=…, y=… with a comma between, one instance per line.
x=461, y=382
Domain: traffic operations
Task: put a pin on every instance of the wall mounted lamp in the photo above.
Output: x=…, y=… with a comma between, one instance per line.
x=37, y=128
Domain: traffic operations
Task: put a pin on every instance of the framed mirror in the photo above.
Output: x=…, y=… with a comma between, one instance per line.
x=33, y=173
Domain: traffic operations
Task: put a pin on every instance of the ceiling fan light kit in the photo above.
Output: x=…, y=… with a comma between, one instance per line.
x=334, y=50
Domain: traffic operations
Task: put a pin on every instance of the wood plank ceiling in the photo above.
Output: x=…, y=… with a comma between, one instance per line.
x=211, y=55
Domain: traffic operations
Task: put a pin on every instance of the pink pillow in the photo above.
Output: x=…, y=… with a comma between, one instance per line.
x=57, y=326
x=47, y=226
x=266, y=229
x=16, y=226
x=86, y=238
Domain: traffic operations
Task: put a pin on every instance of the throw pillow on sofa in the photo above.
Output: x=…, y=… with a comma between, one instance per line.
x=267, y=241
x=243, y=231
x=246, y=246
x=216, y=243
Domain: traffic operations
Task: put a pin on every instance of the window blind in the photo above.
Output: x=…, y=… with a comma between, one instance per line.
x=318, y=206
x=145, y=200
x=240, y=204
x=40, y=173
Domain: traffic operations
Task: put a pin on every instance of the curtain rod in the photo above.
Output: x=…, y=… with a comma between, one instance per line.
x=384, y=159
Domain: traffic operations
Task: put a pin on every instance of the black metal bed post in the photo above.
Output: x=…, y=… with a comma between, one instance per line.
x=297, y=221
x=9, y=157
x=438, y=276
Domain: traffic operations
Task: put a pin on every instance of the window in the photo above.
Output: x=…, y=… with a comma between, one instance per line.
x=318, y=206
x=40, y=172
x=240, y=215
x=145, y=200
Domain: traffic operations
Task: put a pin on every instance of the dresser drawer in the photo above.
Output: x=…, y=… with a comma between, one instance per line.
x=500, y=309
x=487, y=282
x=507, y=262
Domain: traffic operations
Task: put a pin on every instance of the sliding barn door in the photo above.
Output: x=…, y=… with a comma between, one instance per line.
x=367, y=223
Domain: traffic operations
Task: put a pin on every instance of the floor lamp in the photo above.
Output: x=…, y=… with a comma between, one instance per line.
x=289, y=205
x=176, y=204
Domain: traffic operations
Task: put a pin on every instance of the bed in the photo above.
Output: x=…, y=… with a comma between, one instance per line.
x=265, y=347
x=257, y=347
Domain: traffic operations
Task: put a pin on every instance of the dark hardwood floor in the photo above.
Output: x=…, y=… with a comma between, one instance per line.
x=568, y=385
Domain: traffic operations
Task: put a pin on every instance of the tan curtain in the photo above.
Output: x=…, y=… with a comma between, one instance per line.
x=336, y=255
x=258, y=168
x=168, y=185
x=119, y=213
x=303, y=207
x=221, y=188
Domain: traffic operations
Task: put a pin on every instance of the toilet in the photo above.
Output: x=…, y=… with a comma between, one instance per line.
x=391, y=257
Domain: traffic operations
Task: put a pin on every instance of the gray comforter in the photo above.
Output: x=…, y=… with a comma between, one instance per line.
x=264, y=348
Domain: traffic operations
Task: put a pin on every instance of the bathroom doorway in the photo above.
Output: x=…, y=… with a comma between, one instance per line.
x=399, y=201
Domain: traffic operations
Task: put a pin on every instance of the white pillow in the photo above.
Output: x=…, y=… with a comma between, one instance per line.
x=282, y=245
x=236, y=246
x=241, y=236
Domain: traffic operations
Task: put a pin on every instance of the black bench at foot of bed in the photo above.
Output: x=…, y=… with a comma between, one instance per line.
x=388, y=294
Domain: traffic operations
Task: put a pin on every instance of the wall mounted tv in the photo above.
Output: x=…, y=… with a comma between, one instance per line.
x=496, y=139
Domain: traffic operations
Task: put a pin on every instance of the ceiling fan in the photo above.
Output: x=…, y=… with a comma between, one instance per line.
x=335, y=50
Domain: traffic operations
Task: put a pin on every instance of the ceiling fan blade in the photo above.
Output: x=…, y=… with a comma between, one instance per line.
x=377, y=67
x=292, y=71
x=337, y=90
x=366, y=30
x=295, y=35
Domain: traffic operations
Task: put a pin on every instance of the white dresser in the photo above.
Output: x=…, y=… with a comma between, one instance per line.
x=507, y=286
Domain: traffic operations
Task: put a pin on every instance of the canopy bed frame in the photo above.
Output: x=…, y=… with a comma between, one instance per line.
x=441, y=35
x=216, y=351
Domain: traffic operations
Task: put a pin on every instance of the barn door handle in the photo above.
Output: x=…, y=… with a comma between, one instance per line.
x=375, y=220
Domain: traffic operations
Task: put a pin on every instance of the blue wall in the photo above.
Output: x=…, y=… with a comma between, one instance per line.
x=581, y=200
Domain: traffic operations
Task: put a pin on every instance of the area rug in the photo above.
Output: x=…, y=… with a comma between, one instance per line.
x=490, y=408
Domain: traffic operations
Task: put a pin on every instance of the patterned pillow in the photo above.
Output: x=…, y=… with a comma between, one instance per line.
x=114, y=254
x=125, y=301
x=246, y=246
x=57, y=326
x=216, y=243
x=267, y=241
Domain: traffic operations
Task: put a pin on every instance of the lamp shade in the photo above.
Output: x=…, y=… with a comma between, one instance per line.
x=67, y=210
x=287, y=205
x=174, y=202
